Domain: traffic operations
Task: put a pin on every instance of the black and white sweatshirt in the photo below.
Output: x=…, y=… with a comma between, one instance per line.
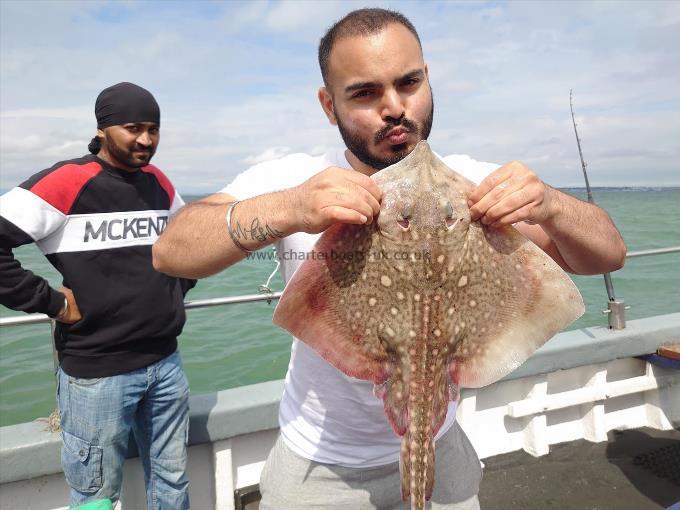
x=96, y=224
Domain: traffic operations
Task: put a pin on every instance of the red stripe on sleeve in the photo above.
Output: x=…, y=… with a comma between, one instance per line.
x=61, y=187
x=163, y=181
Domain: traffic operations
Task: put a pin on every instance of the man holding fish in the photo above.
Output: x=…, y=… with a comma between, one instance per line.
x=337, y=449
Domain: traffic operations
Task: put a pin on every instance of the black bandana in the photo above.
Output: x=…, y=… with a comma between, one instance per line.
x=124, y=103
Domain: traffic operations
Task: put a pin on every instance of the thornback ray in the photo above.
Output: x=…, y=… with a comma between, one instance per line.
x=424, y=301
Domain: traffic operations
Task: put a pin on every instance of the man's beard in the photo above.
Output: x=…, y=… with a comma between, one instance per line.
x=360, y=146
x=125, y=156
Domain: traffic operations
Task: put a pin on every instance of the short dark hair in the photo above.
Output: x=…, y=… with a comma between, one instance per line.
x=360, y=22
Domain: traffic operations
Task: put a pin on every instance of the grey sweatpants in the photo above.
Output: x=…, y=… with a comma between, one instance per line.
x=290, y=482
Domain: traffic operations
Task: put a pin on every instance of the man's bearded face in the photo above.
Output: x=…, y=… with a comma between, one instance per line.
x=361, y=146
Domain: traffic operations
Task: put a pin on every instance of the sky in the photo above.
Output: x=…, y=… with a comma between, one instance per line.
x=237, y=83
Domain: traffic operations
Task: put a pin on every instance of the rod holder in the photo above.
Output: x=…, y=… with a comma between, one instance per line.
x=616, y=314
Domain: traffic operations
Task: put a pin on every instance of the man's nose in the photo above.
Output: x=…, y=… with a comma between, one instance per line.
x=144, y=139
x=392, y=105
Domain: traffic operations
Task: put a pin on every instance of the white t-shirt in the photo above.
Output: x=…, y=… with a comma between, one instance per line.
x=325, y=415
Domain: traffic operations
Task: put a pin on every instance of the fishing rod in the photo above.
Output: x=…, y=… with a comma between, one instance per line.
x=616, y=309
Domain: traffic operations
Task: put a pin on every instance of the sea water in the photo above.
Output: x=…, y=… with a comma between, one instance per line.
x=235, y=345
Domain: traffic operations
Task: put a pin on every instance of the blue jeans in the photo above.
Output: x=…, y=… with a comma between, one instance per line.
x=97, y=416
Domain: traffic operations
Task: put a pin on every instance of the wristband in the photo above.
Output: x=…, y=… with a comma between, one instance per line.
x=231, y=232
x=62, y=314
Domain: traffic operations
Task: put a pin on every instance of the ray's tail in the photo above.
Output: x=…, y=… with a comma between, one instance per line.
x=416, y=464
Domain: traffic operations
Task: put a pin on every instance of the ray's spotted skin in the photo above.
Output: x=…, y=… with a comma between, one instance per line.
x=423, y=302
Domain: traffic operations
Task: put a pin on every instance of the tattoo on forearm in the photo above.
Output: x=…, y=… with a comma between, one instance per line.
x=257, y=232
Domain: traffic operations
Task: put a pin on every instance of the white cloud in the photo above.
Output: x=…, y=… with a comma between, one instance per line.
x=237, y=83
x=266, y=155
x=297, y=17
x=24, y=144
x=78, y=113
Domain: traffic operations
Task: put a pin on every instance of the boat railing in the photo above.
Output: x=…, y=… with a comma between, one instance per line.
x=616, y=309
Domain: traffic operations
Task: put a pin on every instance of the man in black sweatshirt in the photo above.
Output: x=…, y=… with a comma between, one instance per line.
x=117, y=320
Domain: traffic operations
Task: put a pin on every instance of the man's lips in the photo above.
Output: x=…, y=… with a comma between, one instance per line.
x=397, y=135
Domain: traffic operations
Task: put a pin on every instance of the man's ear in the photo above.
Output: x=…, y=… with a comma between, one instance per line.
x=327, y=104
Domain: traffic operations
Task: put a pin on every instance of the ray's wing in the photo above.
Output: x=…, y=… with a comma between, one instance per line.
x=324, y=303
x=514, y=298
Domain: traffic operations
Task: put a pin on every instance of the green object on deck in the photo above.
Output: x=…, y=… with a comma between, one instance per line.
x=100, y=504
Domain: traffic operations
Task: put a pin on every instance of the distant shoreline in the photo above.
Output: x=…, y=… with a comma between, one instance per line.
x=620, y=188
x=192, y=197
x=195, y=194
x=563, y=188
